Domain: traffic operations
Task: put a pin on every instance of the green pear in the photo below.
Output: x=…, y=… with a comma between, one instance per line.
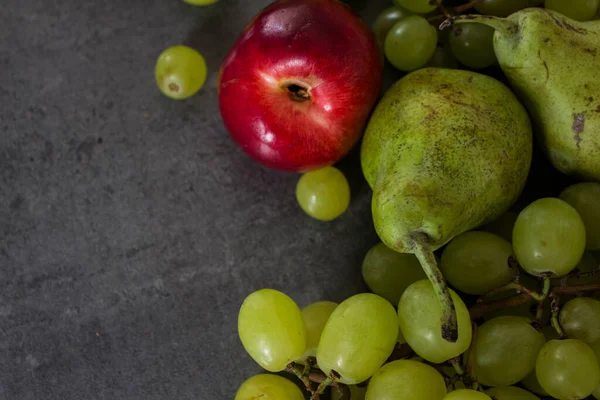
x=553, y=64
x=444, y=151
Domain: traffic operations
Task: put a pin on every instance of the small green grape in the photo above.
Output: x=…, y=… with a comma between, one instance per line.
x=387, y=19
x=420, y=316
x=549, y=237
x=388, y=273
x=579, y=10
x=503, y=226
x=567, y=369
x=503, y=8
x=315, y=317
x=358, y=337
x=476, y=262
x=410, y=43
x=406, y=379
x=510, y=393
x=580, y=319
x=180, y=72
x=472, y=45
x=324, y=194
x=585, y=198
x=466, y=394
x=271, y=329
x=268, y=387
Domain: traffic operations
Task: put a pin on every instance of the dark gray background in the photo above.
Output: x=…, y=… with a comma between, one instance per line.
x=131, y=226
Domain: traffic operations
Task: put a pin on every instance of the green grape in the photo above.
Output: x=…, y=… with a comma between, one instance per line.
x=356, y=393
x=472, y=45
x=268, y=387
x=180, y=72
x=503, y=8
x=466, y=394
x=410, y=43
x=549, y=237
x=503, y=226
x=585, y=198
x=596, y=348
x=407, y=380
x=388, y=273
x=200, y=2
x=505, y=350
x=420, y=316
x=510, y=393
x=315, y=317
x=387, y=19
x=324, y=194
x=271, y=329
x=476, y=262
x=531, y=383
x=579, y=10
x=580, y=319
x=588, y=263
x=442, y=58
x=567, y=369
x=416, y=6
x=359, y=336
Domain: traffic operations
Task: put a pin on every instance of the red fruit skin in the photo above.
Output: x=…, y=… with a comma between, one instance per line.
x=321, y=45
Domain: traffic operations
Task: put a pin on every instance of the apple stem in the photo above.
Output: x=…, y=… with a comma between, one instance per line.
x=298, y=93
x=499, y=24
x=423, y=252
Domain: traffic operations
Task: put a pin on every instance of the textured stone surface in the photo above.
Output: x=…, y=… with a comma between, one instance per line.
x=131, y=227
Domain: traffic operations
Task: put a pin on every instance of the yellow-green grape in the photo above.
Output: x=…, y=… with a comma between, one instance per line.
x=580, y=319
x=549, y=237
x=585, y=198
x=386, y=19
x=466, y=394
x=505, y=350
x=410, y=43
x=596, y=348
x=356, y=393
x=268, y=387
x=315, y=317
x=472, y=45
x=324, y=194
x=567, y=369
x=406, y=379
x=510, y=393
x=417, y=6
x=579, y=10
x=271, y=329
x=503, y=226
x=388, y=273
x=358, y=338
x=476, y=262
x=420, y=317
x=180, y=72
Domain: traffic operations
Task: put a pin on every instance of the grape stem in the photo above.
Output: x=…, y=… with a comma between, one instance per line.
x=323, y=385
x=545, y=292
x=422, y=250
x=455, y=362
x=301, y=374
x=554, y=319
x=454, y=11
x=510, y=286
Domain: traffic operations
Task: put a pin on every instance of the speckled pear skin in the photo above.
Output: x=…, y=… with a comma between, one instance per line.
x=553, y=64
x=445, y=151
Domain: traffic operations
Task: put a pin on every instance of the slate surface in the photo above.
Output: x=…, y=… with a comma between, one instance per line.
x=131, y=227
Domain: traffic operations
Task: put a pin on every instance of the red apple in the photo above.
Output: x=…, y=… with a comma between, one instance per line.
x=296, y=89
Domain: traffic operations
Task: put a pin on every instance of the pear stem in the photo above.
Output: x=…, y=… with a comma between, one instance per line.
x=499, y=24
x=423, y=252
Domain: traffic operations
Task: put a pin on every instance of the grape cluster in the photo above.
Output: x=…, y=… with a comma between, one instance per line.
x=387, y=344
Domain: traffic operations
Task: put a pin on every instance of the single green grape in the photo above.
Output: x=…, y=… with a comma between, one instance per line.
x=567, y=369
x=585, y=198
x=473, y=46
x=505, y=350
x=531, y=383
x=443, y=58
x=406, y=379
x=324, y=194
x=416, y=6
x=271, y=329
x=466, y=394
x=200, y=2
x=388, y=273
x=387, y=19
x=510, y=393
x=579, y=10
x=503, y=8
x=356, y=393
x=476, y=262
x=180, y=72
x=549, y=237
x=580, y=319
x=420, y=316
x=359, y=336
x=503, y=226
x=410, y=43
x=268, y=387
x=315, y=317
